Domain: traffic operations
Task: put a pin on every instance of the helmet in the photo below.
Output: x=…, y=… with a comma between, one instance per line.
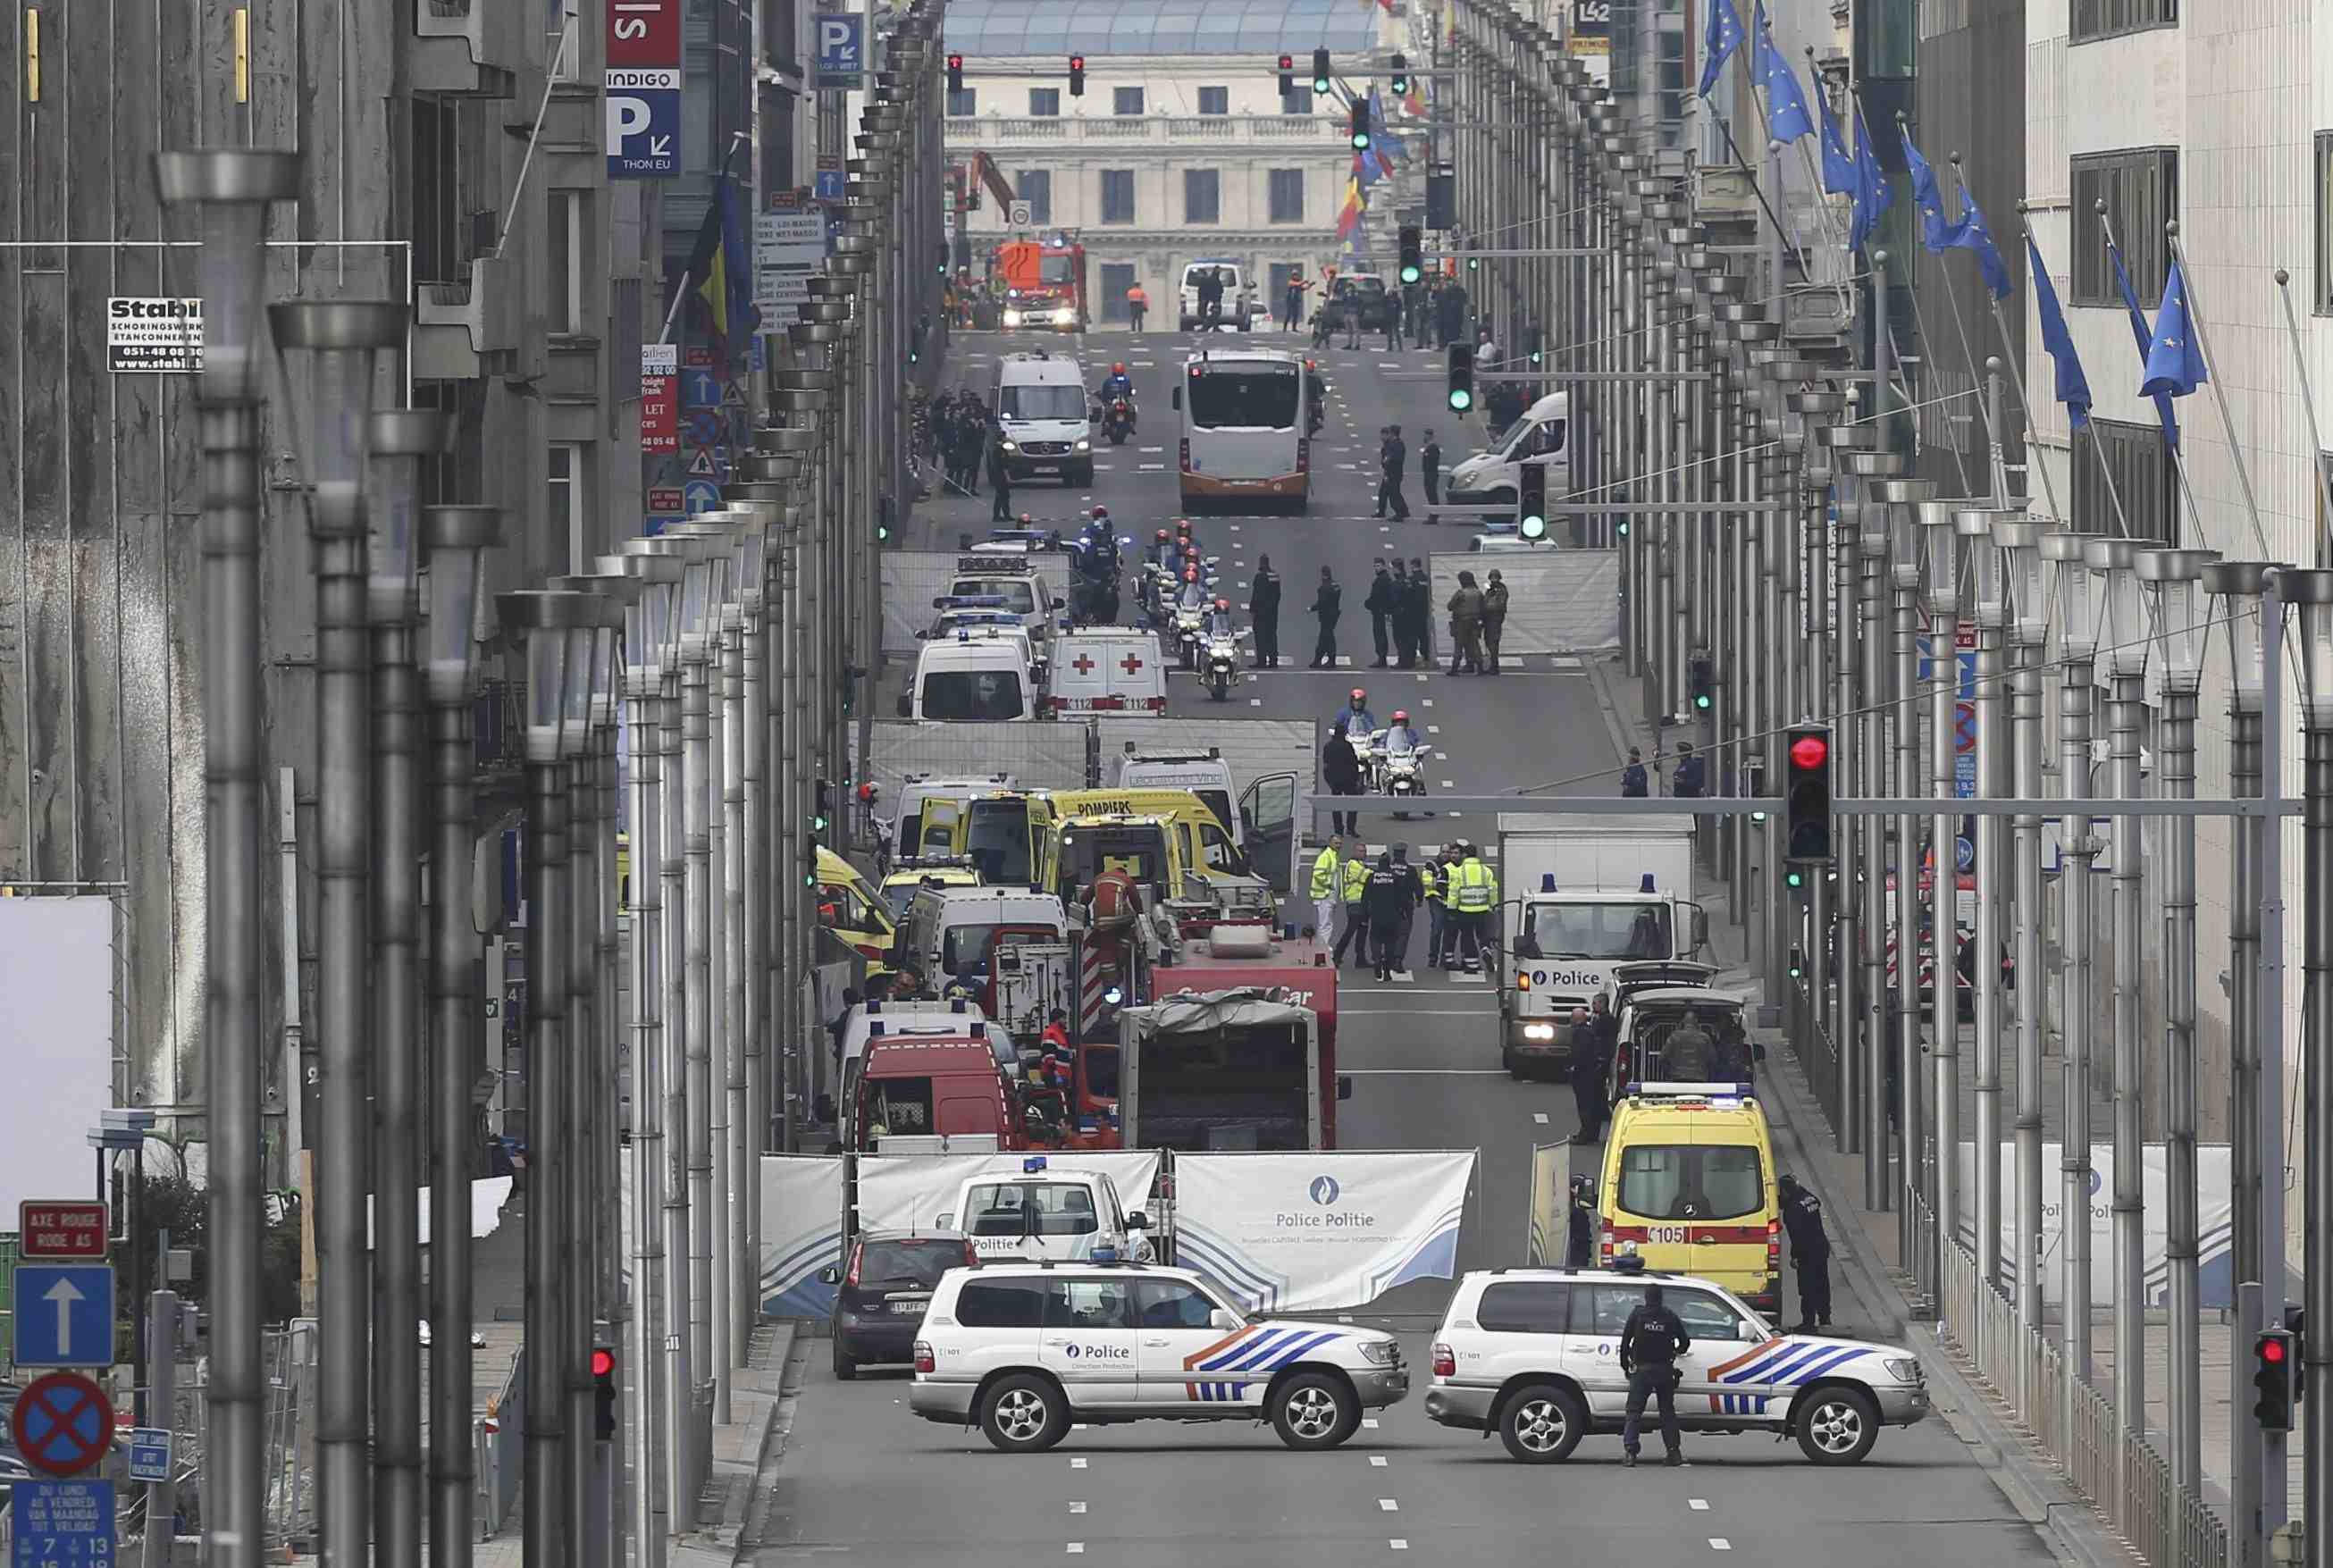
x=1359, y=697
x=1182, y=525
x=1190, y=574
x=1118, y=369
x=1162, y=535
x=1401, y=716
x=1025, y=519
x=1102, y=514
x=1223, y=604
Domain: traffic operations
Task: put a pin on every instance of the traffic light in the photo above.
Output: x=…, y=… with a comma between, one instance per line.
x=2296, y=1320
x=1076, y=76
x=955, y=73
x=2274, y=1367
x=1537, y=340
x=1462, y=375
x=1400, y=77
x=1701, y=682
x=1320, y=74
x=941, y=250
x=1806, y=796
x=603, y=1392
x=1532, y=514
x=1361, y=125
x=1287, y=74
x=1413, y=253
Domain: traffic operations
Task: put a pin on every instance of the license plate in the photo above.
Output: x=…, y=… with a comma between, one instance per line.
x=1043, y=468
x=909, y=1306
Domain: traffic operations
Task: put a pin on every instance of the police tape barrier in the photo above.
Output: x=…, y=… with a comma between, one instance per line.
x=1558, y=601
x=1321, y=1231
x=2215, y=1264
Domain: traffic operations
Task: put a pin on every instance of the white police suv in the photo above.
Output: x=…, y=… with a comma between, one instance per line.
x=1533, y=1354
x=1024, y=1349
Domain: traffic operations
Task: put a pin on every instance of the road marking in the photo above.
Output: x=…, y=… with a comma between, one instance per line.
x=1698, y=1505
x=1077, y=1548
x=1428, y=702
x=1077, y=1464
x=1387, y=1506
x=1148, y=467
x=1398, y=1545
x=1720, y=1543
x=1539, y=1116
x=1449, y=786
x=1256, y=702
x=1077, y=1507
x=1369, y=1423
x=1434, y=729
x=1377, y=1460
x=1150, y=451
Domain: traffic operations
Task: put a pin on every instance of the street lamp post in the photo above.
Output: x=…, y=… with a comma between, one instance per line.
x=742, y=717
x=343, y=337
x=232, y=188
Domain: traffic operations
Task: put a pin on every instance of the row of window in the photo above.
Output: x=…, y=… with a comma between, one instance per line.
x=1202, y=194
x=1045, y=103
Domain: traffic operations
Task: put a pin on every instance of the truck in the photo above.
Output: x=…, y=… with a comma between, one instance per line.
x=1224, y=1071
x=1044, y=284
x=1586, y=895
x=1046, y=1210
x=924, y=1070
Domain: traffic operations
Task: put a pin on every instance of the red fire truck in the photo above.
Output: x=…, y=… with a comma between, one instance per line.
x=1044, y=284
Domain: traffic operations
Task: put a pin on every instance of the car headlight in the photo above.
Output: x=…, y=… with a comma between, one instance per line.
x=1013, y=318
x=1065, y=317
x=1538, y=1031
x=1384, y=1353
x=1904, y=1370
x=1085, y=446
x=1007, y=445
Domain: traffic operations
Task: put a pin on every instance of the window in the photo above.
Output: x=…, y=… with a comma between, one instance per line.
x=1705, y=1317
x=1280, y=273
x=1262, y=398
x=906, y=1262
x=1005, y=1303
x=1117, y=196
x=1691, y=1180
x=1285, y=195
x=563, y=44
x=1041, y=400
x=565, y=247
x=2144, y=480
x=569, y=474
x=1201, y=196
x=1525, y=1308
x=1117, y=277
x=436, y=126
x=2324, y=303
x=1173, y=1304
x=966, y=694
x=1601, y=932
x=1045, y=103
x=1297, y=101
x=965, y=104
x=1125, y=100
x=1029, y=1209
x=1035, y=187
x=1087, y=1303
x=1214, y=100
x=1602, y=1310
x=2095, y=19
x=2141, y=190
x=997, y=840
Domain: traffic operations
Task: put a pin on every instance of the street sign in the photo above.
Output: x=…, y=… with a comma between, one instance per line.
x=643, y=122
x=660, y=398
x=788, y=246
x=64, y=1424
x=841, y=52
x=827, y=184
x=1964, y=727
x=701, y=465
x=700, y=388
x=643, y=32
x=664, y=498
x=701, y=495
x=1965, y=855
x=64, y=1314
x=153, y=334
x=149, y=1454
x=53, y=1227
x=62, y=1524
x=1020, y=215
x=1964, y=776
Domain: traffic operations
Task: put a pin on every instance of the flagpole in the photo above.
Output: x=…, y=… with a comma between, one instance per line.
x=2178, y=451
x=2017, y=376
x=2218, y=395
x=1920, y=325
x=2308, y=402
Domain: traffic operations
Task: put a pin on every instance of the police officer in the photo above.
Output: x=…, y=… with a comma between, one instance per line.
x=1580, y=1238
x=1592, y=1036
x=1809, y=1254
x=1387, y=898
x=1476, y=889
x=1328, y=601
x=999, y=481
x=1356, y=889
x=1691, y=779
x=1263, y=613
x=1650, y=1343
x=1433, y=879
x=1383, y=604
x=1635, y=783
x=1684, y=1054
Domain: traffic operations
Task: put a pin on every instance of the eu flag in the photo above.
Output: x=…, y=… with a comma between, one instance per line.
x=1786, y=103
x=1719, y=40
x=2164, y=413
x=2073, y=386
x=2174, y=364
x=1975, y=238
x=1837, y=163
x=1872, y=195
x=1937, y=231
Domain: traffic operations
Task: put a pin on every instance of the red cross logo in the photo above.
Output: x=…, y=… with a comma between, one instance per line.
x=1129, y=664
x=1083, y=664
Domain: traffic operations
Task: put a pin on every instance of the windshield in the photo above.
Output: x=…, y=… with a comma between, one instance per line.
x=1030, y=1208
x=1220, y=802
x=1018, y=596
x=998, y=840
x=964, y=949
x=909, y=1262
x=1193, y=596
x=1263, y=397
x=1369, y=288
x=1196, y=273
x=1401, y=737
x=972, y=694
x=1056, y=269
x=1139, y=852
x=1691, y=1181
x=1601, y=930
x=1039, y=403
x=1102, y=1071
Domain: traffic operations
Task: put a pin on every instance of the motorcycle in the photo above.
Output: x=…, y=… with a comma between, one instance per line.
x=1118, y=423
x=1222, y=659
x=1188, y=635
x=1402, y=776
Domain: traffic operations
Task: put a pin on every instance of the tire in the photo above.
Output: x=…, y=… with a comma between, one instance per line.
x=1541, y=1424
x=1085, y=476
x=1836, y=1425
x=846, y=1365
x=1024, y=1415
x=1313, y=1411
x=1221, y=691
x=1117, y=438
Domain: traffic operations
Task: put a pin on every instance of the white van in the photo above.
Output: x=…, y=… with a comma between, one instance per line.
x=1204, y=773
x=1239, y=292
x=930, y=805
x=1049, y=1211
x=1016, y=585
x=1043, y=417
x=973, y=676
x=949, y=932
x=1491, y=478
x=1107, y=669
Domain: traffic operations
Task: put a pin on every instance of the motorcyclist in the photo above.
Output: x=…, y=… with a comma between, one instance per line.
x=1164, y=552
x=1117, y=384
x=1355, y=718
x=1399, y=736
x=1194, y=594
x=1217, y=621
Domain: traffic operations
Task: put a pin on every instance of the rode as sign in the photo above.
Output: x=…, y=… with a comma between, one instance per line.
x=643, y=126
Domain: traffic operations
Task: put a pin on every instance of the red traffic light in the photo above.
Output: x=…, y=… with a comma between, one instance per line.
x=1077, y=62
x=2273, y=1351
x=1288, y=62
x=955, y=63
x=603, y=1363
x=1809, y=751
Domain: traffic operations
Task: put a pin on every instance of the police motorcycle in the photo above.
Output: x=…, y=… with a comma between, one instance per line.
x=1219, y=654
x=1190, y=613
x=1118, y=421
x=1400, y=761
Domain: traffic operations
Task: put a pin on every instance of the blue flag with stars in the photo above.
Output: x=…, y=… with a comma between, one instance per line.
x=1787, y=119
x=1873, y=196
x=1937, y=231
x=1719, y=40
x=1975, y=238
x=1837, y=163
x=2073, y=386
x=2174, y=365
x=2164, y=412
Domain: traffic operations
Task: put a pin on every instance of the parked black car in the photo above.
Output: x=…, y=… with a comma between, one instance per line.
x=882, y=1289
x=1364, y=295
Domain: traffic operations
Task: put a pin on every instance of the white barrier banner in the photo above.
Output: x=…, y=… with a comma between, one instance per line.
x=1307, y=1232
x=2214, y=1193
x=802, y=1233
x=911, y=1192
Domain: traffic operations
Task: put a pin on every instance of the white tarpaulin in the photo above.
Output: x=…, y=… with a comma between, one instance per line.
x=1558, y=601
x=487, y=1196
x=913, y=1192
x=802, y=1233
x=1320, y=1231
x=2215, y=1262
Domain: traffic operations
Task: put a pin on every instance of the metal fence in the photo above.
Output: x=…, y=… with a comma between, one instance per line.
x=289, y=1356
x=1811, y=1043
x=499, y=1449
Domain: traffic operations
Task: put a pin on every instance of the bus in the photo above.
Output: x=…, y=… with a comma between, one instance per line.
x=1244, y=435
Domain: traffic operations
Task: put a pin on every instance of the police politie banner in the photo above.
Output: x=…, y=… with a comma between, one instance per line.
x=1317, y=1231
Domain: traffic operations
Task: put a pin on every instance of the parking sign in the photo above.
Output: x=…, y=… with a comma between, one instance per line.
x=841, y=52
x=643, y=133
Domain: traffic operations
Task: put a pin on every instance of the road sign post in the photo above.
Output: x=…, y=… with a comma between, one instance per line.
x=55, y=1228
x=62, y=1523
x=63, y=1423
x=64, y=1314
x=149, y=1454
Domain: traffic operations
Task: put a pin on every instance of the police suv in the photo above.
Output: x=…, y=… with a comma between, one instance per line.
x=1024, y=1349
x=1533, y=1354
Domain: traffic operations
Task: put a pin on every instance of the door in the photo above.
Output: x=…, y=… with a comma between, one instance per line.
x=1188, y=1360
x=1592, y=1352
x=1088, y=1340
x=1117, y=277
x=1268, y=822
x=938, y=834
x=1721, y=1381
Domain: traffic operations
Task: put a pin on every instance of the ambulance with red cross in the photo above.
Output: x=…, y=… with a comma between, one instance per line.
x=1107, y=670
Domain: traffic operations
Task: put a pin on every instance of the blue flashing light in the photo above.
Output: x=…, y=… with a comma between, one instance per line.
x=1034, y=1164
x=1648, y=883
x=1546, y=881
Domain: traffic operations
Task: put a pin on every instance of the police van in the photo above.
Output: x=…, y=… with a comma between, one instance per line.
x=1023, y=1350
x=1533, y=1354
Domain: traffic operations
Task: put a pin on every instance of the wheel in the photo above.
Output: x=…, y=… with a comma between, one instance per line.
x=846, y=1365
x=1117, y=438
x=1222, y=690
x=1024, y=1415
x=1313, y=1411
x=1085, y=476
x=1541, y=1424
x=1837, y=1424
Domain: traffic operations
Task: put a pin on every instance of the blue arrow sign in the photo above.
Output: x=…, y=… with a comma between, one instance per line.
x=841, y=52
x=62, y=1524
x=827, y=184
x=700, y=389
x=700, y=496
x=64, y=1314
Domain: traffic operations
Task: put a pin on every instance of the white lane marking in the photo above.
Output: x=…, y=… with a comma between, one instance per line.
x=1448, y=784
x=1377, y=1460
x=1077, y=1464
x=1077, y=1425
x=1539, y=1116
x=1077, y=1548
x=1387, y=1506
x=1077, y=1507
x=1698, y=1505
x=1147, y=468
x=1398, y=1545
x=1369, y=1423
x=1473, y=979
x=1150, y=451
x=1428, y=1072
x=1256, y=702
x=1434, y=729
x=1720, y=1543
x=1428, y=702
x=1421, y=678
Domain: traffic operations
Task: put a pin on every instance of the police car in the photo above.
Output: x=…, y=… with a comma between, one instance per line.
x=1533, y=1355
x=1024, y=1349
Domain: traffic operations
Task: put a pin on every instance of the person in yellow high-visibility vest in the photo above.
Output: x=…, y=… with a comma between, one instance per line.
x=1325, y=878
x=1436, y=872
x=1355, y=880
x=1474, y=893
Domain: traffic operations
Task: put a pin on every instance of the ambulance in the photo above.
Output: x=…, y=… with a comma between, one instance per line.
x=1690, y=1185
x=1107, y=670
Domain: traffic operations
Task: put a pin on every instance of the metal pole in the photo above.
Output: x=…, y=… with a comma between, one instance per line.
x=1871, y=768
x=580, y=1125
x=679, y=1028
x=737, y=1275
x=2078, y=647
x=548, y=915
x=785, y=871
x=162, y=1496
x=760, y=953
x=606, y=1510
x=1912, y=1061
x=1937, y=519
x=2313, y=591
x=649, y=1433
x=2280, y=588
x=1991, y=752
x=2028, y=628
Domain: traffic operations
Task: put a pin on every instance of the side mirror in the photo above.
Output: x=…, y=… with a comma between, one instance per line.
x=1344, y=1086
x=830, y=1274
x=940, y=603
x=1137, y=1221
x=1177, y=398
x=945, y=1222
x=906, y=706
x=1222, y=1321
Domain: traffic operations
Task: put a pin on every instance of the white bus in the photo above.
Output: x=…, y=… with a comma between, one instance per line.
x=1245, y=432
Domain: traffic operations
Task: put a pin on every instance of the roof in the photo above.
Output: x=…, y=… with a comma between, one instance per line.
x=1256, y=29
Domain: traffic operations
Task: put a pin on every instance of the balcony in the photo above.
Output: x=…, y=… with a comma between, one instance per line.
x=1156, y=130
x=462, y=328
x=468, y=48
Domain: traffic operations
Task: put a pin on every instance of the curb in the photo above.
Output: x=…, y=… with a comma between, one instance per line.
x=777, y=1425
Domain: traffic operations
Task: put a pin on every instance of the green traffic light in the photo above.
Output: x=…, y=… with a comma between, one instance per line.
x=1700, y=702
x=1360, y=141
x=1319, y=87
x=1473, y=263
x=1756, y=817
x=1461, y=398
x=1534, y=528
x=1795, y=879
x=1623, y=530
x=1409, y=274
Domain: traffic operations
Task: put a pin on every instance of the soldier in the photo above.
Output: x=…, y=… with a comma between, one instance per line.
x=1466, y=627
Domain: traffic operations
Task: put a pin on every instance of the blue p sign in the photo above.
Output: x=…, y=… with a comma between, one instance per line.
x=841, y=51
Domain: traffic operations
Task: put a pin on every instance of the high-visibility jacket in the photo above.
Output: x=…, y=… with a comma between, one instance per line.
x=1324, y=874
x=1357, y=879
x=1429, y=876
x=1475, y=887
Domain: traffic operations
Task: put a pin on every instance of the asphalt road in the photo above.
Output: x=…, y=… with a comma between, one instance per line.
x=868, y=1483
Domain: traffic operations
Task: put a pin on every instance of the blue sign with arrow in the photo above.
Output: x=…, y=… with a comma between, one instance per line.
x=841, y=52
x=64, y=1314
x=643, y=123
